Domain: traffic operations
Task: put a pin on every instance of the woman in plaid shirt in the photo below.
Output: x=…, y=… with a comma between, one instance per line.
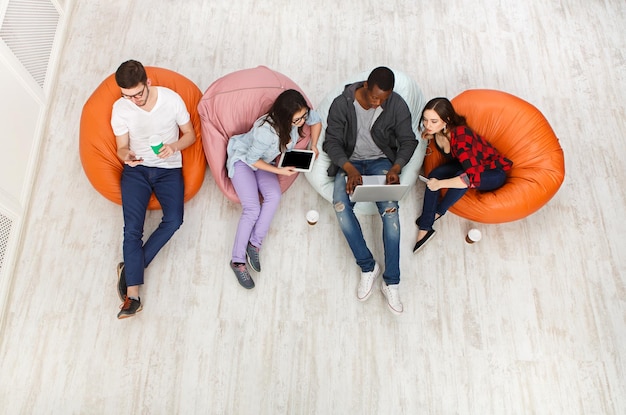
x=470, y=163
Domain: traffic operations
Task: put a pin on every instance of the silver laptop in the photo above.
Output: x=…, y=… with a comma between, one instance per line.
x=374, y=189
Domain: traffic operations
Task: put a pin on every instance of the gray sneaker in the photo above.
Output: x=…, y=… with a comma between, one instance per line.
x=252, y=255
x=242, y=274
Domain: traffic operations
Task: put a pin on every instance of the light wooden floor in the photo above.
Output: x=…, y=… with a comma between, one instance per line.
x=532, y=320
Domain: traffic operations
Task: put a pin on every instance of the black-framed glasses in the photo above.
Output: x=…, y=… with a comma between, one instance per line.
x=303, y=118
x=137, y=95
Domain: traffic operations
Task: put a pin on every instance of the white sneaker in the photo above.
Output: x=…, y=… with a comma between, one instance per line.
x=392, y=295
x=364, y=290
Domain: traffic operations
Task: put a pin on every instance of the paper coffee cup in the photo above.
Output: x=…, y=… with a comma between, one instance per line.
x=473, y=235
x=156, y=143
x=312, y=216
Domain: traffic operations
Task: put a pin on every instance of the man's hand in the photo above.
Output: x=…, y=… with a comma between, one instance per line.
x=131, y=159
x=166, y=151
x=354, y=177
x=393, y=175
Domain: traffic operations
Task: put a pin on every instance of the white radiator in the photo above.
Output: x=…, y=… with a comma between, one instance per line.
x=6, y=223
x=28, y=29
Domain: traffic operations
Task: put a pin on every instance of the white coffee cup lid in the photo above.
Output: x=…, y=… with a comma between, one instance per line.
x=312, y=215
x=474, y=234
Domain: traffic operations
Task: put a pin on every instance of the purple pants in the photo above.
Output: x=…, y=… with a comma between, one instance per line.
x=256, y=216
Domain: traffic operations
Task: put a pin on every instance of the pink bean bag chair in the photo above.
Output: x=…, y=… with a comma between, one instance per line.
x=230, y=106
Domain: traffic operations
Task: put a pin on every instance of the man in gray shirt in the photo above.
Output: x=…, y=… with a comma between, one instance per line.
x=369, y=133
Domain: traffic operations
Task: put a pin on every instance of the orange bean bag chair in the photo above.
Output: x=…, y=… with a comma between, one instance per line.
x=230, y=106
x=98, y=149
x=522, y=134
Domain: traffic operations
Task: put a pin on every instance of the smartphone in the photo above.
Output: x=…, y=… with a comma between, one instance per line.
x=424, y=179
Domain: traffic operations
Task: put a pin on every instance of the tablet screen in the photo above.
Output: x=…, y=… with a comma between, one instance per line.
x=301, y=160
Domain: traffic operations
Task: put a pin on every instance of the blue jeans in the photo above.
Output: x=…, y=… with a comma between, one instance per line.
x=489, y=180
x=138, y=183
x=351, y=227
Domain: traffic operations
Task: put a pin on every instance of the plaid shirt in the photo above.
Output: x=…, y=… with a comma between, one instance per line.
x=475, y=155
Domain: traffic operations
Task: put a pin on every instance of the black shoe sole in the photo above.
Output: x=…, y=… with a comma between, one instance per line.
x=122, y=288
x=420, y=244
x=123, y=316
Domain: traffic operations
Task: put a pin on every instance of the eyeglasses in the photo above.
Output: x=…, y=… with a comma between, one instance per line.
x=303, y=118
x=137, y=95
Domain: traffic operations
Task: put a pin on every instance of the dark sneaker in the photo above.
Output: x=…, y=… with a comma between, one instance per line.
x=252, y=254
x=242, y=274
x=121, y=281
x=129, y=308
x=420, y=244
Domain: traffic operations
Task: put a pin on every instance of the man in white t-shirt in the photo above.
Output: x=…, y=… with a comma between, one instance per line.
x=142, y=112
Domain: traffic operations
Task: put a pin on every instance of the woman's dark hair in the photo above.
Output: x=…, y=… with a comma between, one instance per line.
x=443, y=107
x=280, y=115
x=130, y=74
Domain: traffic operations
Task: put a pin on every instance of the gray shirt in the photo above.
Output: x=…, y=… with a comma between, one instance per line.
x=365, y=148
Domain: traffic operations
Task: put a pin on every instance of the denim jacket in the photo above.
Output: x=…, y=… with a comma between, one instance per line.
x=261, y=143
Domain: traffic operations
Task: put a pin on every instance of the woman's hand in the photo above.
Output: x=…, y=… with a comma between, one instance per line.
x=283, y=171
x=316, y=151
x=434, y=184
x=316, y=129
x=452, y=183
x=286, y=171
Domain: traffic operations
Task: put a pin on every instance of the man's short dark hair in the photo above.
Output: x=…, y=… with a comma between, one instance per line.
x=382, y=77
x=130, y=74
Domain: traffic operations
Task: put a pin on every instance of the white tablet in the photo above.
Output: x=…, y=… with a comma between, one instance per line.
x=302, y=160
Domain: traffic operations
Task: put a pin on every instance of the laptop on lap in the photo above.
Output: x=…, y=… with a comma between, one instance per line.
x=374, y=189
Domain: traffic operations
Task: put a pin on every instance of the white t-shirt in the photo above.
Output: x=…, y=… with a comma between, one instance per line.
x=168, y=114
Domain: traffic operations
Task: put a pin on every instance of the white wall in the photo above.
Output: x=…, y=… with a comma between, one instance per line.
x=23, y=109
